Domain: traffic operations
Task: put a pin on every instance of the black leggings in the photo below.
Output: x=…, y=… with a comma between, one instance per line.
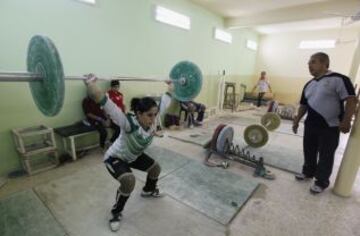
x=103, y=133
x=118, y=167
x=121, y=171
x=260, y=96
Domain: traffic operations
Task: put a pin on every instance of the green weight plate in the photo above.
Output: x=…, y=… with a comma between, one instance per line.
x=187, y=80
x=256, y=136
x=44, y=59
x=216, y=135
x=271, y=121
x=226, y=134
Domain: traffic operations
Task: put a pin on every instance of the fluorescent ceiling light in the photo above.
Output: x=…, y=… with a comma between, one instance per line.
x=251, y=45
x=170, y=17
x=92, y=2
x=222, y=35
x=317, y=44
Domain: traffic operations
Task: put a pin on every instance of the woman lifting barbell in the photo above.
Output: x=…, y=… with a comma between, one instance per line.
x=128, y=150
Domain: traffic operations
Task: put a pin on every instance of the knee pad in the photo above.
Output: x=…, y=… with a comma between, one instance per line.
x=154, y=171
x=127, y=183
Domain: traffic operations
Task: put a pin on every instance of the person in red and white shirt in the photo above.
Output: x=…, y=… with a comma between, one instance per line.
x=115, y=95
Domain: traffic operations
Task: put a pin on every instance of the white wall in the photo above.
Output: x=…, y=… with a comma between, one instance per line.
x=286, y=64
x=114, y=37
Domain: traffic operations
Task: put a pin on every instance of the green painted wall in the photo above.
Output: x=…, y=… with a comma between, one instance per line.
x=112, y=37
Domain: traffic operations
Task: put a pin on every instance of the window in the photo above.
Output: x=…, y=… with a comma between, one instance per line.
x=317, y=44
x=222, y=35
x=170, y=17
x=91, y=2
x=251, y=45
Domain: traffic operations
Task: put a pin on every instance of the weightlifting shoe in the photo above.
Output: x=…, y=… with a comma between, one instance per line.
x=197, y=123
x=154, y=194
x=114, y=222
x=316, y=189
x=302, y=177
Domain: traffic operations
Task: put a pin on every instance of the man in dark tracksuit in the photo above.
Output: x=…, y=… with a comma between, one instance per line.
x=323, y=99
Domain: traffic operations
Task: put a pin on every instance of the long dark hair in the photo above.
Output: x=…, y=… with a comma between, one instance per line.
x=142, y=104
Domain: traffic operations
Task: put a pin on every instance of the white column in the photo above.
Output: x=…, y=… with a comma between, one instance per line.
x=350, y=163
x=351, y=160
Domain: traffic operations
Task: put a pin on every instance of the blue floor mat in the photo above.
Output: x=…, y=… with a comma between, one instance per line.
x=217, y=193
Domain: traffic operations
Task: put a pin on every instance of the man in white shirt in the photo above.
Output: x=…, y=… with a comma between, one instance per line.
x=329, y=101
x=263, y=86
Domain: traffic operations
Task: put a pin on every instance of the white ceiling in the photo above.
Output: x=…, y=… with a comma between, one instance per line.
x=272, y=16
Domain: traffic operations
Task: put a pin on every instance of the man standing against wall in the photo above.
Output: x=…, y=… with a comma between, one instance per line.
x=329, y=101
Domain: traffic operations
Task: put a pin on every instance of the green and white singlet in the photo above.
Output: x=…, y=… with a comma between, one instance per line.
x=133, y=139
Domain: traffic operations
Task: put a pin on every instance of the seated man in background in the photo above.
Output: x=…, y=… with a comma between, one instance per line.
x=190, y=108
x=98, y=119
x=170, y=110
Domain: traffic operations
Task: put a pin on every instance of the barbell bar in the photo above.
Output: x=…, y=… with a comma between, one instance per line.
x=46, y=77
x=31, y=77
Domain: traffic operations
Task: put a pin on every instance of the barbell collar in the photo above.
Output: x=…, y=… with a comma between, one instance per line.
x=19, y=77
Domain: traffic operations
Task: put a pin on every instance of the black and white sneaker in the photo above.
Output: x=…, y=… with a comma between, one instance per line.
x=114, y=222
x=155, y=193
x=316, y=189
x=197, y=123
x=302, y=177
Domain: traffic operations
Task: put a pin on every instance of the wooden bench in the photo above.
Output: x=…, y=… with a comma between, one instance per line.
x=70, y=133
x=253, y=97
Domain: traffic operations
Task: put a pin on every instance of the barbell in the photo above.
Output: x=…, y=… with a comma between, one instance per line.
x=271, y=121
x=257, y=135
x=286, y=112
x=46, y=77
